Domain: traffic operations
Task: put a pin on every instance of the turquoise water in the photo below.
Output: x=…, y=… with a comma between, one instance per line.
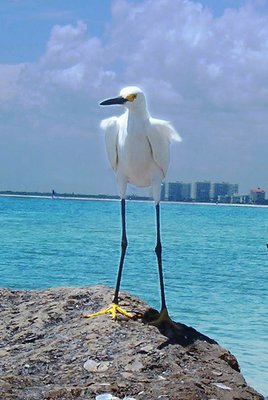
x=215, y=262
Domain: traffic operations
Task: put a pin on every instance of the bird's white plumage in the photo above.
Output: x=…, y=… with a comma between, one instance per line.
x=111, y=128
x=138, y=145
x=160, y=135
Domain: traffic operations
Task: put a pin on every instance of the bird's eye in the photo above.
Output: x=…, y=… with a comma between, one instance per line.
x=131, y=97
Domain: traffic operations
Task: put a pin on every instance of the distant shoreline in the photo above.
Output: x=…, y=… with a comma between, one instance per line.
x=115, y=198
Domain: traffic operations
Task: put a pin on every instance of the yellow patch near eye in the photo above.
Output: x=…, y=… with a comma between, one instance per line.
x=131, y=97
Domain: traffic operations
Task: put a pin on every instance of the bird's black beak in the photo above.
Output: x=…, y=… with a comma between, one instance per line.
x=115, y=100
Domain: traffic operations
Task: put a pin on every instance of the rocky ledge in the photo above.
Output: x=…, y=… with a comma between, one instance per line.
x=49, y=351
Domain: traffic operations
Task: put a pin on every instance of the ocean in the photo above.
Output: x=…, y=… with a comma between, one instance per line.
x=215, y=262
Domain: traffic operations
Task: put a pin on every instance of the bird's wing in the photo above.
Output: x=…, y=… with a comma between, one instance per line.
x=160, y=136
x=166, y=129
x=111, y=128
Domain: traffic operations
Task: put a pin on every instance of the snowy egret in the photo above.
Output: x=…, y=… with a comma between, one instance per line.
x=138, y=150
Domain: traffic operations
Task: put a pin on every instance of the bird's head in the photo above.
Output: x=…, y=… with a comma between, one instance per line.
x=131, y=97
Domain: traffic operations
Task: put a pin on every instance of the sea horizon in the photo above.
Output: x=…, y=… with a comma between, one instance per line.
x=136, y=199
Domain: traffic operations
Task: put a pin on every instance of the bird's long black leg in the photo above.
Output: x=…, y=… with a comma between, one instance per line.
x=158, y=251
x=123, y=250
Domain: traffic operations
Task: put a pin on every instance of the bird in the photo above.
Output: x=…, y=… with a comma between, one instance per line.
x=138, y=148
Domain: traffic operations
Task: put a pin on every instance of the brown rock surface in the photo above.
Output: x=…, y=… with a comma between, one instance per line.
x=48, y=351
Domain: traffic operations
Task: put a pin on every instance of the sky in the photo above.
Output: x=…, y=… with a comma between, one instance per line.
x=202, y=64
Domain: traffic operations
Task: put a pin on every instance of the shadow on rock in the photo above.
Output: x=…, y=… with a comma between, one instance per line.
x=176, y=332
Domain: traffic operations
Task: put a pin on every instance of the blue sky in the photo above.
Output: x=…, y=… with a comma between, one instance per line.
x=26, y=25
x=203, y=66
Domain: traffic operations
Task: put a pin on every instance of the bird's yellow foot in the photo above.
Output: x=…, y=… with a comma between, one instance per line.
x=113, y=309
x=153, y=317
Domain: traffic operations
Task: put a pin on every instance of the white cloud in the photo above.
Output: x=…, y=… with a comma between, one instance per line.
x=9, y=77
x=220, y=60
x=207, y=75
x=50, y=126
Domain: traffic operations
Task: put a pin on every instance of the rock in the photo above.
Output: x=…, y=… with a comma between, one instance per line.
x=146, y=349
x=217, y=373
x=49, y=351
x=106, y=396
x=94, y=366
x=222, y=386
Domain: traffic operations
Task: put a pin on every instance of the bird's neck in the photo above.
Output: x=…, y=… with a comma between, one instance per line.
x=140, y=113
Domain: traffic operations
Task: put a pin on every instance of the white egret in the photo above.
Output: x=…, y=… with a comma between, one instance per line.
x=138, y=150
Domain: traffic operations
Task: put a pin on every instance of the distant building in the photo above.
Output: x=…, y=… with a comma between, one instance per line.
x=179, y=191
x=223, y=199
x=221, y=190
x=201, y=191
x=205, y=191
x=244, y=198
x=163, y=191
x=186, y=189
x=233, y=189
x=257, y=196
x=173, y=191
x=239, y=199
